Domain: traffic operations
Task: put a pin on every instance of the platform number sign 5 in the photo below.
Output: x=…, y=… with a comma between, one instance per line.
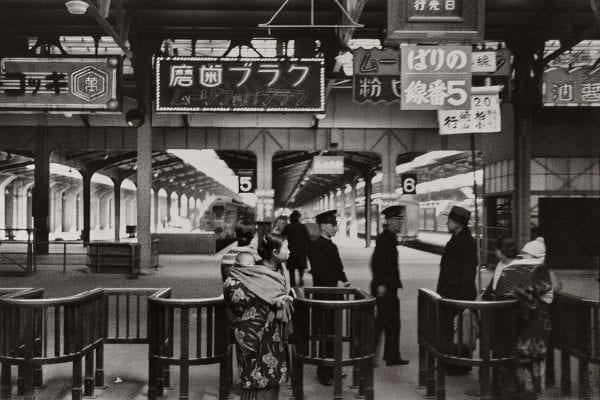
x=246, y=181
x=409, y=183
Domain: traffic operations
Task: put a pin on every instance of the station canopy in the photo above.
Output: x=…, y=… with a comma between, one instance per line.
x=252, y=28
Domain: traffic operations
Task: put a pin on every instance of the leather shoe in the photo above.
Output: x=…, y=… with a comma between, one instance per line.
x=396, y=361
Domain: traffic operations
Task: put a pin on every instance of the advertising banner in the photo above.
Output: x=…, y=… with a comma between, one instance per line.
x=70, y=84
x=193, y=84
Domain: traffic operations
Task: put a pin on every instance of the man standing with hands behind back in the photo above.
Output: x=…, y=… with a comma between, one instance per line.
x=385, y=285
x=327, y=270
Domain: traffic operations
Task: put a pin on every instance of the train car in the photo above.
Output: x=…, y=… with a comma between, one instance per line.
x=222, y=216
x=410, y=227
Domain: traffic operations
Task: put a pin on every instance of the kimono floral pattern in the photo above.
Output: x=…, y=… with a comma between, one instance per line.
x=261, y=350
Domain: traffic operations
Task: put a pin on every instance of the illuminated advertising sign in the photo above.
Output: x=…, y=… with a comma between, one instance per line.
x=70, y=84
x=194, y=84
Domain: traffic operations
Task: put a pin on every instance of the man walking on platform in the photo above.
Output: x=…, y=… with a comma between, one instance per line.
x=327, y=270
x=458, y=267
x=385, y=284
x=298, y=242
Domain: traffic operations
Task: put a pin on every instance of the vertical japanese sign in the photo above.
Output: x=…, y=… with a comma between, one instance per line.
x=579, y=86
x=191, y=84
x=376, y=75
x=74, y=84
x=435, y=21
x=484, y=115
x=435, y=77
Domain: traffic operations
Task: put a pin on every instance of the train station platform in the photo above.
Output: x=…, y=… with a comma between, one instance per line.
x=126, y=366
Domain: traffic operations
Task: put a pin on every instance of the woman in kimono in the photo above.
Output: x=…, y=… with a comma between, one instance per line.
x=528, y=281
x=259, y=310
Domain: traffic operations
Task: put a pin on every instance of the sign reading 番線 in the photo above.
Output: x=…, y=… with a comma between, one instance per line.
x=192, y=84
x=484, y=115
x=435, y=77
x=328, y=165
x=435, y=21
x=69, y=84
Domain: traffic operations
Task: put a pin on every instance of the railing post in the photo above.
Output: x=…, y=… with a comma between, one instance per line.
x=550, y=375
x=565, y=372
x=64, y=258
x=184, y=367
x=337, y=354
x=5, y=382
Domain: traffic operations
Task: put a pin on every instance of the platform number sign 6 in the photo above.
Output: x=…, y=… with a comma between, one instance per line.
x=409, y=183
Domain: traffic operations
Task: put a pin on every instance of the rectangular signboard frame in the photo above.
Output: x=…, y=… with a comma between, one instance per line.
x=160, y=107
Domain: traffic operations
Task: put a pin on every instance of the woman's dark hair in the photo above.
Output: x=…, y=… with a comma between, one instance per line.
x=244, y=232
x=270, y=242
x=507, y=246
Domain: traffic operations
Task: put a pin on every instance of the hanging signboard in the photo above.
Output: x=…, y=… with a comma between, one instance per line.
x=563, y=87
x=409, y=183
x=246, y=180
x=484, y=115
x=189, y=84
x=328, y=165
x=376, y=75
x=435, y=21
x=70, y=84
x=482, y=62
x=435, y=77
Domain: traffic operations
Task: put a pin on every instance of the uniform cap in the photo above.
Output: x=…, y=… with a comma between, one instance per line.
x=327, y=217
x=393, y=212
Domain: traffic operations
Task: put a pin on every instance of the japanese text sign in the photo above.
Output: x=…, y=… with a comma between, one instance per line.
x=376, y=75
x=435, y=77
x=435, y=21
x=484, y=115
x=191, y=84
x=579, y=86
x=328, y=165
x=74, y=84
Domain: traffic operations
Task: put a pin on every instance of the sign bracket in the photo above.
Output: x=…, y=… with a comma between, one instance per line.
x=269, y=24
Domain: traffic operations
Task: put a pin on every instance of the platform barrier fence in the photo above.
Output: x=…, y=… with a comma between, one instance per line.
x=448, y=337
x=35, y=331
x=334, y=327
x=187, y=332
x=575, y=333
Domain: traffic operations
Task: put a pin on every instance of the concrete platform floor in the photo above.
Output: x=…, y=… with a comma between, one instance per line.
x=198, y=276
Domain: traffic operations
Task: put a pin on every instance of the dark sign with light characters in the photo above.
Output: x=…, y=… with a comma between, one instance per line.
x=436, y=21
x=196, y=84
x=69, y=84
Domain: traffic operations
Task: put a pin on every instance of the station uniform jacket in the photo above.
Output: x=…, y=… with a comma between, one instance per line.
x=384, y=263
x=325, y=263
x=459, y=267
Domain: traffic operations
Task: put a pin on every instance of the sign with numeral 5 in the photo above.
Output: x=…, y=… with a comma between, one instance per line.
x=246, y=181
x=409, y=183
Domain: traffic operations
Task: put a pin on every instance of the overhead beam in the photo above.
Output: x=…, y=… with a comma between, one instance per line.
x=108, y=28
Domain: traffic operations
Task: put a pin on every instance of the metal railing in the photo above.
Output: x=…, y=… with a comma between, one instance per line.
x=325, y=319
x=36, y=331
x=446, y=339
x=13, y=262
x=575, y=333
x=171, y=322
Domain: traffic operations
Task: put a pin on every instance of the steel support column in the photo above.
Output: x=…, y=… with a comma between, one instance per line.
x=117, y=207
x=87, y=189
x=368, y=189
x=41, y=191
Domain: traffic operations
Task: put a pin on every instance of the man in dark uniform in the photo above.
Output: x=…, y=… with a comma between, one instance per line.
x=385, y=284
x=458, y=266
x=327, y=270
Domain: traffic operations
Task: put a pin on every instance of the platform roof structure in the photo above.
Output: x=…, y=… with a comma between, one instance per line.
x=333, y=23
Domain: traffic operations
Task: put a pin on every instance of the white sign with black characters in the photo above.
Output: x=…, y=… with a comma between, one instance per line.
x=484, y=115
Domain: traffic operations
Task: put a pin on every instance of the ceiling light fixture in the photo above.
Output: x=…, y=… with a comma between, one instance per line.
x=77, y=7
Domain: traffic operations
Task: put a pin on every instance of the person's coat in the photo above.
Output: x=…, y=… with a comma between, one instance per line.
x=384, y=263
x=299, y=241
x=325, y=264
x=458, y=268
